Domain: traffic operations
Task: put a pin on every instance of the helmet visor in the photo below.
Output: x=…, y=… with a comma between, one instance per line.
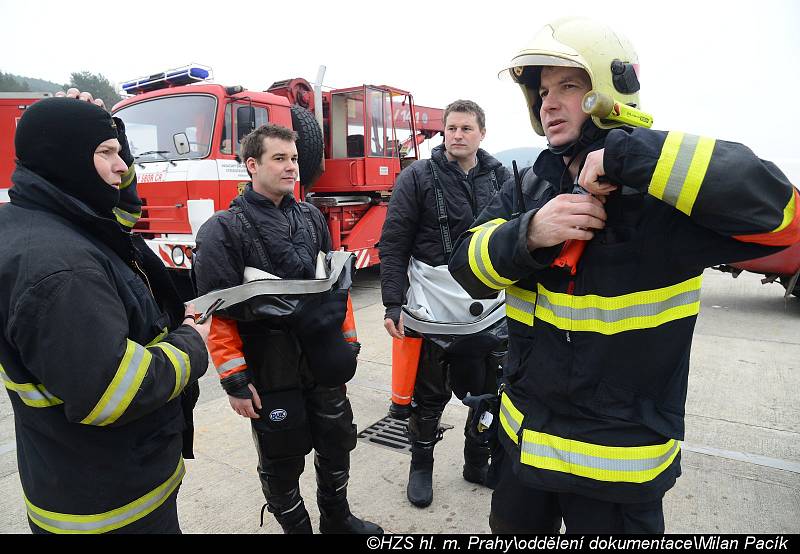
x=523, y=60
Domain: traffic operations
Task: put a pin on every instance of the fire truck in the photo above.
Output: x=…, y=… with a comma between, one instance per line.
x=185, y=131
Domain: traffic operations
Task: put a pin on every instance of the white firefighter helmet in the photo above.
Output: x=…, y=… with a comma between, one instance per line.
x=607, y=56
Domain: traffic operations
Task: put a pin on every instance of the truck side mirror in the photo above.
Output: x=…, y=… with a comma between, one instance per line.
x=181, y=143
x=245, y=121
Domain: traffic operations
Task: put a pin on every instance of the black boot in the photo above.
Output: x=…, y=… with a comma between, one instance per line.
x=420, y=477
x=294, y=521
x=335, y=516
x=476, y=463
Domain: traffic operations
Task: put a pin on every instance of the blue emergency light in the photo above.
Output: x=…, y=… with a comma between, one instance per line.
x=170, y=78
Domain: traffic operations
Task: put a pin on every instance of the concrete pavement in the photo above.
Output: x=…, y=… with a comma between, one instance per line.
x=741, y=460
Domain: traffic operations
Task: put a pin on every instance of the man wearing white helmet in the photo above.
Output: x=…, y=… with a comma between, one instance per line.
x=592, y=412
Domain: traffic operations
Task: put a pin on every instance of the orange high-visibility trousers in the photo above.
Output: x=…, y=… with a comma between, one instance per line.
x=405, y=359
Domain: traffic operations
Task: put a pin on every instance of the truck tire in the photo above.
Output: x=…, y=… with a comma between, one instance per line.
x=310, y=147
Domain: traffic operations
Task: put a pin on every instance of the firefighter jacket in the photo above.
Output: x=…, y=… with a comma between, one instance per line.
x=412, y=224
x=92, y=369
x=292, y=234
x=599, y=361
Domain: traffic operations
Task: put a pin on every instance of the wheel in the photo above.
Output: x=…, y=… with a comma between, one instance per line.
x=786, y=279
x=310, y=148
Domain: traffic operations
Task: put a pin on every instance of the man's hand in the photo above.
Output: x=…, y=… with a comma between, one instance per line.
x=565, y=217
x=591, y=174
x=203, y=328
x=245, y=406
x=395, y=331
x=85, y=96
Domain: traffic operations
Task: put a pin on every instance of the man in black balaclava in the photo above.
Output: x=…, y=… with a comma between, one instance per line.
x=95, y=366
x=57, y=142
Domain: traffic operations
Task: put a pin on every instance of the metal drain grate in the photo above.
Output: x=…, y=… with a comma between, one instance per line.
x=392, y=434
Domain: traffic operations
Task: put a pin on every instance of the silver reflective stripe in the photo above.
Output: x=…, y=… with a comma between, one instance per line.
x=350, y=334
x=236, y=295
x=230, y=364
x=594, y=462
x=123, y=386
x=32, y=394
x=126, y=218
x=680, y=169
x=480, y=238
x=108, y=521
x=518, y=303
x=510, y=420
x=611, y=316
x=180, y=362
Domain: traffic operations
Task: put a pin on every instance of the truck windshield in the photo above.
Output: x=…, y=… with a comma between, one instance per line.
x=151, y=126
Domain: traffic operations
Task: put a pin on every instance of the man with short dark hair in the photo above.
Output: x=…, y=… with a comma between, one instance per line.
x=279, y=370
x=432, y=201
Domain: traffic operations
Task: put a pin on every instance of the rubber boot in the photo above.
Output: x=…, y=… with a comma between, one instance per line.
x=335, y=516
x=420, y=476
x=476, y=462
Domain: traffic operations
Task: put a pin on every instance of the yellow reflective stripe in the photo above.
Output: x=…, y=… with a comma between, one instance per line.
x=32, y=394
x=680, y=169
x=180, y=361
x=788, y=213
x=164, y=332
x=665, y=162
x=610, y=315
x=520, y=305
x=629, y=464
x=491, y=223
x=478, y=254
x=126, y=218
x=510, y=418
x=119, y=394
x=696, y=174
x=56, y=522
x=127, y=177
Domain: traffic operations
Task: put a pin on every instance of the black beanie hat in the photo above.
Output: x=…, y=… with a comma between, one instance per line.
x=56, y=139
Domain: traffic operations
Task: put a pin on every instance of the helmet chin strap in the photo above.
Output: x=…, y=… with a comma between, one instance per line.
x=590, y=133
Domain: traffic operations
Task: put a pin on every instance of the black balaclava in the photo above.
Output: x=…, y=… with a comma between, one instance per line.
x=56, y=139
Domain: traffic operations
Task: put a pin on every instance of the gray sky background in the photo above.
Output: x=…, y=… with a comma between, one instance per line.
x=725, y=69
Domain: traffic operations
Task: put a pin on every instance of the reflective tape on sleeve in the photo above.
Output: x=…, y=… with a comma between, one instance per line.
x=480, y=261
x=32, y=394
x=123, y=387
x=180, y=361
x=680, y=170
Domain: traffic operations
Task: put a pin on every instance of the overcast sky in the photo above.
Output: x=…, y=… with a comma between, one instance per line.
x=725, y=69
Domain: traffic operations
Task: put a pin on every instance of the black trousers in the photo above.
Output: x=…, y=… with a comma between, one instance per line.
x=519, y=509
x=434, y=389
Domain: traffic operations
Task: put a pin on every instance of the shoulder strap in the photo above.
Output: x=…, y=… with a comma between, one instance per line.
x=311, y=227
x=441, y=212
x=258, y=240
x=493, y=179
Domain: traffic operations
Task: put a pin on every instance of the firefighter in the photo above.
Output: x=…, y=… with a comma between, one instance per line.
x=591, y=415
x=417, y=230
x=96, y=352
x=286, y=374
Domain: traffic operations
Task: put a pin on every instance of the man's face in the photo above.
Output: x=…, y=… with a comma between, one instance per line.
x=274, y=175
x=462, y=136
x=561, y=90
x=108, y=164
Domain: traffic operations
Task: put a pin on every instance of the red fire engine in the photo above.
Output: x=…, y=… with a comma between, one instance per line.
x=184, y=133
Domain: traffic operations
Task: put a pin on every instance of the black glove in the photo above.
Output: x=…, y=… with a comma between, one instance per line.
x=478, y=429
x=393, y=313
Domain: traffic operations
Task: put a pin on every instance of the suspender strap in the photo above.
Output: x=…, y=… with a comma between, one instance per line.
x=258, y=241
x=311, y=227
x=441, y=211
